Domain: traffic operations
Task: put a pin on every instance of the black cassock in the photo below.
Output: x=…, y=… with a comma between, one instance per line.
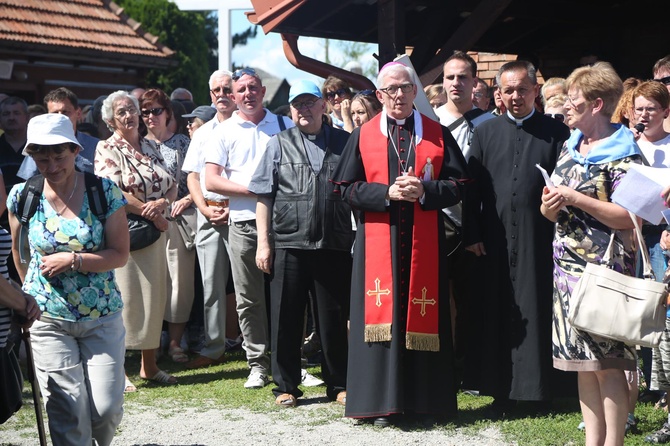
x=509, y=354
x=384, y=377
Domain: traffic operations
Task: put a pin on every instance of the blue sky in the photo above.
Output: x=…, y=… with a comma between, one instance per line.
x=266, y=52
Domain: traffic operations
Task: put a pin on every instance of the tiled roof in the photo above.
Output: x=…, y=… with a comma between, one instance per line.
x=79, y=27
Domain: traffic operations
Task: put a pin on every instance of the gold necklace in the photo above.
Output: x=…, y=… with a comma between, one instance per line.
x=76, y=177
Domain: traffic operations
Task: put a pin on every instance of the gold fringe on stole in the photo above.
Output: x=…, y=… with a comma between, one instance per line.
x=378, y=333
x=422, y=341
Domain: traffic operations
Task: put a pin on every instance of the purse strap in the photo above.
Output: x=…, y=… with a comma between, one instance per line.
x=647, y=271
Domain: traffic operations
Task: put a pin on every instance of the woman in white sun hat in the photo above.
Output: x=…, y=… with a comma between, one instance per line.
x=79, y=342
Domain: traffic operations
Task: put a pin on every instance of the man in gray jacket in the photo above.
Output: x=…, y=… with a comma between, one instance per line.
x=305, y=229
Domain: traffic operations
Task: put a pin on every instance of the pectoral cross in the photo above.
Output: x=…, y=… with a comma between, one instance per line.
x=423, y=301
x=378, y=293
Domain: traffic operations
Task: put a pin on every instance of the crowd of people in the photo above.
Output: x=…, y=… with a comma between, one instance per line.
x=355, y=218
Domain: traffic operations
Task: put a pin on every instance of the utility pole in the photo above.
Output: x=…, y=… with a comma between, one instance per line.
x=224, y=9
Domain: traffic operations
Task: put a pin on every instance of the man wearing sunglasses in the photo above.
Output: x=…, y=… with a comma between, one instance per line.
x=661, y=72
x=309, y=229
x=232, y=155
x=400, y=347
x=212, y=226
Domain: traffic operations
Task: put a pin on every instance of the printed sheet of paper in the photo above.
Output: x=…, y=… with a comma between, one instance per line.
x=640, y=192
x=545, y=175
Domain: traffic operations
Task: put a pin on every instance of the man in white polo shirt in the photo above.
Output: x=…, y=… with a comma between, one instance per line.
x=233, y=152
x=212, y=226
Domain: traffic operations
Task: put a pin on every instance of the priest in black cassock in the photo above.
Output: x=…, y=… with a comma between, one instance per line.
x=510, y=357
x=398, y=171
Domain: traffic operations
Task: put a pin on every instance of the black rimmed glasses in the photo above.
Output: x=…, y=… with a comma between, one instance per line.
x=341, y=92
x=218, y=90
x=392, y=90
x=560, y=117
x=664, y=80
x=152, y=111
x=242, y=71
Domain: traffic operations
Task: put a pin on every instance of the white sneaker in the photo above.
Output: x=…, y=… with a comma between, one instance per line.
x=256, y=380
x=309, y=380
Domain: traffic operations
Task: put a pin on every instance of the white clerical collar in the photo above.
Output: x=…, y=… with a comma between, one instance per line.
x=519, y=121
x=418, y=124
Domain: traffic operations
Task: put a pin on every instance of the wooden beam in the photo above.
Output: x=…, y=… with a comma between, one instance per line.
x=464, y=38
x=390, y=30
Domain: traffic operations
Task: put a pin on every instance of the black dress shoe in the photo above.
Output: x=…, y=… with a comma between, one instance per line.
x=381, y=422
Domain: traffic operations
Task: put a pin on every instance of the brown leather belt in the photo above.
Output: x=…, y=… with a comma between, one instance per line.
x=222, y=203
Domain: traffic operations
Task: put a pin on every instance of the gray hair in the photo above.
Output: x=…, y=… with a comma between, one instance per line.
x=108, y=106
x=394, y=67
x=518, y=65
x=181, y=91
x=219, y=74
x=13, y=100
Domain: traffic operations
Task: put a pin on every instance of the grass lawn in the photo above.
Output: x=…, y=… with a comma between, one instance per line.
x=222, y=387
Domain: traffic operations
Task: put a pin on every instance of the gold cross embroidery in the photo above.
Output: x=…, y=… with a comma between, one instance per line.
x=378, y=292
x=423, y=301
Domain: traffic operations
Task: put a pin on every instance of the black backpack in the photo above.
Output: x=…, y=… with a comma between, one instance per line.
x=30, y=199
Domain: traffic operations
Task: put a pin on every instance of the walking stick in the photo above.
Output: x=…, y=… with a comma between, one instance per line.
x=35, y=387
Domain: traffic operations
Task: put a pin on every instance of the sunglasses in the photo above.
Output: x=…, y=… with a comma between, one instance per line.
x=152, y=111
x=341, y=92
x=217, y=91
x=242, y=71
x=664, y=80
x=557, y=116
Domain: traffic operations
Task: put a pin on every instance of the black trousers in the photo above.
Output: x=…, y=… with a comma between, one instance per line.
x=328, y=274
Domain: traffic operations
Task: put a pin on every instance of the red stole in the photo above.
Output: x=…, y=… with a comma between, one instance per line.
x=422, y=305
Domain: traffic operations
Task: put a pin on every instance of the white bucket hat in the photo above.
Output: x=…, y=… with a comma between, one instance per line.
x=50, y=129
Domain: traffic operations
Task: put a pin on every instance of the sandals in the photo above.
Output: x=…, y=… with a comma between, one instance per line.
x=178, y=355
x=129, y=387
x=162, y=378
x=286, y=400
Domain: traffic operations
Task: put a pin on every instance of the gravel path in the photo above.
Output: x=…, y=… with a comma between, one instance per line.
x=307, y=424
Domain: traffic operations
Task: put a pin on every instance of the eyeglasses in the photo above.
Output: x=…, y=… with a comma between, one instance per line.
x=340, y=92
x=125, y=111
x=242, y=71
x=217, y=91
x=640, y=110
x=392, y=90
x=152, y=111
x=664, y=80
x=557, y=116
x=303, y=104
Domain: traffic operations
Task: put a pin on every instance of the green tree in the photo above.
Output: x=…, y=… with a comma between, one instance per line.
x=192, y=35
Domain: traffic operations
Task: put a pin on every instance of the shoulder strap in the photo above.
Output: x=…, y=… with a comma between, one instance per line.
x=451, y=127
x=30, y=198
x=471, y=115
x=281, y=123
x=96, y=196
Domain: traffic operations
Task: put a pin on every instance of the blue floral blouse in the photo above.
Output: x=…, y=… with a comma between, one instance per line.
x=72, y=296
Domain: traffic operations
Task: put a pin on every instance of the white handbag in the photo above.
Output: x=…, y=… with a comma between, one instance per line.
x=610, y=304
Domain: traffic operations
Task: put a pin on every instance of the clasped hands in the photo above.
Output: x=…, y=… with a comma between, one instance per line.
x=407, y=187
x=152, y=210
